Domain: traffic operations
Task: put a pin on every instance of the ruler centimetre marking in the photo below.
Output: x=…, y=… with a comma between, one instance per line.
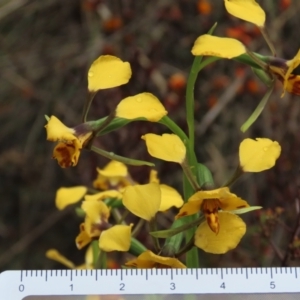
x=15, y=285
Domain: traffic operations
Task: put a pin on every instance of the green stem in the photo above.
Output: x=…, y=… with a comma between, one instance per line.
x=190, y=102
x=236, y=175
x=87, y=106
x=174, y=128
x=268, y=40
x=190, y=175
x=125, y=160
x=152, y=225
x=96, y=251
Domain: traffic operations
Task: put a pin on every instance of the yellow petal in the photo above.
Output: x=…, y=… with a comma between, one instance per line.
x=67, y=196
x=232, y=229
x=167, y=147
x=103, y=195
x=96, y=211
x=89, y=258
x=82, y=238
x=144, y=105
x=143, y=200
x=55, y=255
x=258, y=155
x=57, y=131
x=217, y=46
x=153, y=178
x=247, y=10
x=194, y=203
x=292, y=64
x=189, y=208
x=169, y=198
x=106, y=72
x=116, y=238
x=114, y=169
x=228, y=200
x=150, y=260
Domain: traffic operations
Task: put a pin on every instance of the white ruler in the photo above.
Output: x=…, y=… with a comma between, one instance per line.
x=15, y=285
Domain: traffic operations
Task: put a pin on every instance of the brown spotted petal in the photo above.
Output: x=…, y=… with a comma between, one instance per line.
x=293, y=84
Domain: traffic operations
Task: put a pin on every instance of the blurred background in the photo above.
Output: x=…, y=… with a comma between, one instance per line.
x=46, y=48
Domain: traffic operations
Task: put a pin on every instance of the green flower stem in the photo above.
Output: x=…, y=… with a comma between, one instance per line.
x=190, y=175
x=136, y=247
x=102, y=260
x=96, y=251
x=257, y=60
x=172, y=244
x=192, y=257
x=246, y=59
x=236, y=175
x=174, y=128
x=178, y=226
x=187, y=247
x=268, y=40
x=152, y=225
x=106, y=122
x=87, y=106
x=138, y=227
x=190, y=102
x=125, y=160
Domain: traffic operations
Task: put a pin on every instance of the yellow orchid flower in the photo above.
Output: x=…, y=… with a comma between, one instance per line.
x=55, y=255
x=210, y=202
x=144, y=105
x=70, y=141
x=231, y=231
x=66, y=196
x=114, y=175
x=259, y=154
x=283, y=70
x=210, y=45
x=168, y=147
x=106, y=72
x=149, y=260
x=111, y=238
x=247, y=10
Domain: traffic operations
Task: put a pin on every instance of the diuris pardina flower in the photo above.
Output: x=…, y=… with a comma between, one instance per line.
x=222, y=230
x=114, y=175
x=70, y=141
x=283, y=70
x=149, y=260
x=210, y=202
x=111, y=238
